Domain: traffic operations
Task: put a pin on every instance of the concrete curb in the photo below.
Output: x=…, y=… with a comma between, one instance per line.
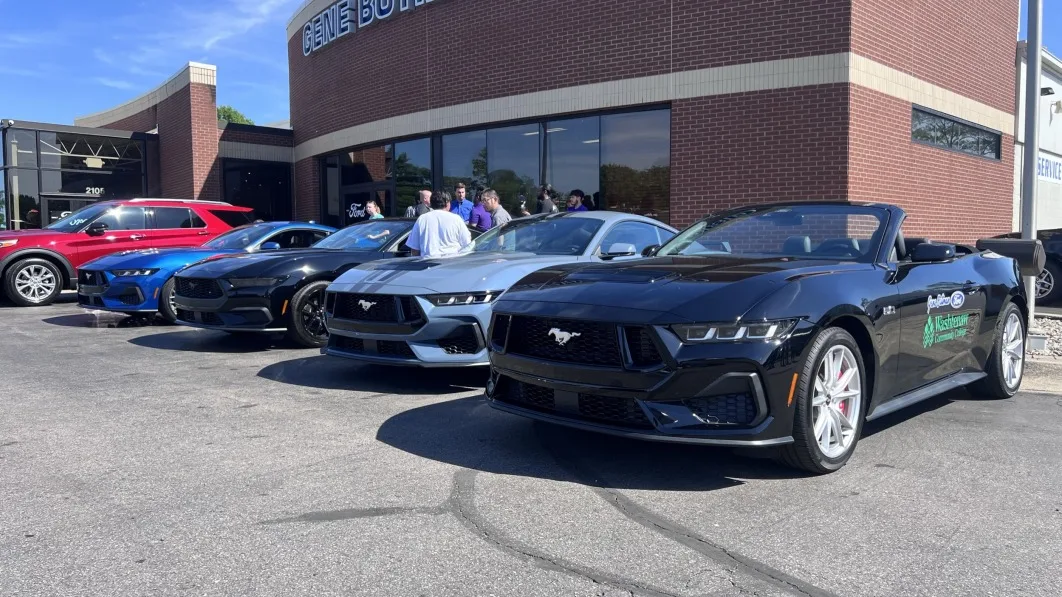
x=1043, y=374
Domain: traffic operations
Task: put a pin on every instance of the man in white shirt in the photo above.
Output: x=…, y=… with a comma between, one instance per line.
x=439, y=232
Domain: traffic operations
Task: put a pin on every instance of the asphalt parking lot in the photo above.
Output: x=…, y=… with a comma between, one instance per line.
x=157, y=460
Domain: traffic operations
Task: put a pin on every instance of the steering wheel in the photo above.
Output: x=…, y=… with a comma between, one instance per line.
x=836, y=248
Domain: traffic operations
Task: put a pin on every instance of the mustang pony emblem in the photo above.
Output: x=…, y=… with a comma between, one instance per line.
x=561, y=336
x=365, y=305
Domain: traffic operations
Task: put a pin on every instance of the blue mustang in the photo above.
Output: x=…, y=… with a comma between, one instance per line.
x=133, y=282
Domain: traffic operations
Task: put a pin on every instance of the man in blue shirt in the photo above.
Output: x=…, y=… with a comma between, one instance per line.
x=460, y=205
x=575, y=201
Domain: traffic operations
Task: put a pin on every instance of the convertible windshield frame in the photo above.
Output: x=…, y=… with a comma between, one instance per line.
x=480, y=244
x=790, y=220
x=345, y=239
x=255, y=233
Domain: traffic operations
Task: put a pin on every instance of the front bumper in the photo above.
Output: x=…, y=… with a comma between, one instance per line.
x=422, y=336
x=244, y=310
x=720, y=394
x=99, y=290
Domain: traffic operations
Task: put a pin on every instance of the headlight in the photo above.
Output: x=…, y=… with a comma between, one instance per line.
x=697, y=333
x=8, y=243
x=121, y=273
x=254, y=282
x=464, y=298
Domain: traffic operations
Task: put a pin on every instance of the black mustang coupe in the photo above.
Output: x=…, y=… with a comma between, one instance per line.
x=783, y=325
x=282, y=291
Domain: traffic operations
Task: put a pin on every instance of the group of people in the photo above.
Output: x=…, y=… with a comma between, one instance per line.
x=443, y=222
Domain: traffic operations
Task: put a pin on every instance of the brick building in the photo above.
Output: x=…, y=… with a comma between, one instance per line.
x=670, y=108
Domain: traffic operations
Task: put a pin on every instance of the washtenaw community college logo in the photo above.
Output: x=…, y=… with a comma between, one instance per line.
x=955, y=301
x=561, y=336
x=945, y=328
x=365, y=305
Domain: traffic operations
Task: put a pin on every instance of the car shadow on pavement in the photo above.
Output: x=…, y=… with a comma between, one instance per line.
x=332, y=373
x=106, y=319
x=916, y=410
x=468, y=433
x=196, y=340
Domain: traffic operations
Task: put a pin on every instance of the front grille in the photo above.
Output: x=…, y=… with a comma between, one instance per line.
x=384, y=348
x=89, y=301
x=565, y=340
x=499, y=329
x=351, y=344
x=528, y=395
x=640, y=344
x=210, y=318
x=185, y=315
x=91, y=278
x=198, y=288
x=726, y=409
x=463, y=340
x=131, y=297
x=395, y=349
x=366, y=307
x=624, y=411
x=204, y=318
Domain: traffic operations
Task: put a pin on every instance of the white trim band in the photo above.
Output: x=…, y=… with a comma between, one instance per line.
x=255, y=151
x=844, y=67
x=193, y=72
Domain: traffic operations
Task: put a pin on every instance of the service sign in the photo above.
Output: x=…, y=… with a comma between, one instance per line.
x=1049, y=169
x=345, y=16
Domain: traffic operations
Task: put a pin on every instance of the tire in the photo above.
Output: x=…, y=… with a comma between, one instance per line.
x=166, y=308
x=848, y=400
x=33, y=282
x=1049, y=284
x=307, y=327
x=1006, y=362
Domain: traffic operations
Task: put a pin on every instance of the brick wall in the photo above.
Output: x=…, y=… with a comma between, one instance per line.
x=142, y=121
x=307, y=190
x=924, y=38
x=949, y=196
x=204, y=123
x=781, y=145
x=175, y=145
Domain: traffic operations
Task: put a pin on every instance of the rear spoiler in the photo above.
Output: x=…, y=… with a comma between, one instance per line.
x=1029, y=254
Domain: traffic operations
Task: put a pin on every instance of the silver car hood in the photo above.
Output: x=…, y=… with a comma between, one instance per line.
x=459, y=273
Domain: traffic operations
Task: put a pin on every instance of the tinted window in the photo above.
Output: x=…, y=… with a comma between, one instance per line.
x=74, y=151
x=542, y=236
x=513, y=159
x=465, y=160
x=573, y=158
x=636, y=163
x=240, y=238
x=77, y=220
x=123, y=218
x=262, y=186
x=175, y=217
x=365, y=165
x=330, y=169
x=25, y=200
x=635, y=233
x=294, y=239
x=366, y=236
x=939, y=130
x=809, y=232
x=412, y=171
x=233, y=218
x=20, y=148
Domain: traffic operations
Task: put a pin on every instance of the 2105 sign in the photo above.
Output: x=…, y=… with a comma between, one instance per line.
x=95, y=190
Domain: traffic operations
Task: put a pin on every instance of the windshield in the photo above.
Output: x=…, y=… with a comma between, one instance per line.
x=542, y=236
x=365, y=236
x=77, y=220
x=240, y=238
x=834, y=232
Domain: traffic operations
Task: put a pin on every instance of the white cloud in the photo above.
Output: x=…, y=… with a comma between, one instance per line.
x=115, y=83
x=102, y=56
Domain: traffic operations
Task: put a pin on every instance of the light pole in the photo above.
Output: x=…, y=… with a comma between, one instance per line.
x=1030, y=159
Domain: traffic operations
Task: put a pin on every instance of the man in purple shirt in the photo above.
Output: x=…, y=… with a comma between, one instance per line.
x=575, y=201
x=480, y=217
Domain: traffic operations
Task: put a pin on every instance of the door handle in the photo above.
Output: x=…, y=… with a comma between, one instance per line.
x=203, y=233
x=137, y=236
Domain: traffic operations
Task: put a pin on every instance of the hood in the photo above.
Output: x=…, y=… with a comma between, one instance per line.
x=459, y=273
x=153, y=258
x=267, y=263
x=682, y=286
x=34, y=237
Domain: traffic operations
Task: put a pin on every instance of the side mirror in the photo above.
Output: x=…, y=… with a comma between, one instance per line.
x=930, y=253
x=650, y=250
x=620, y=250
x=270, y=246
x=96, y=229
x=403, y=252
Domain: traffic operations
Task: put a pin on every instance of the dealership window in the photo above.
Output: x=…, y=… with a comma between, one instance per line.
x=330, y=187
x=464, y=159
x=71, y=151
x=25, y=198
x=3, y=199
x=412, y=171
x=20, y=148
x=262, y=186
x=365, y=165
x=942, y=131
x=573, y=158
x=636, y=163
x=514, y=156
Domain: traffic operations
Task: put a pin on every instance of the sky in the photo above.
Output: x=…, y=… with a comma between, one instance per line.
x=60, y=59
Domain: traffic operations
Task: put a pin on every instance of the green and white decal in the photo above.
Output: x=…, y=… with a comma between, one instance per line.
x=947, y=328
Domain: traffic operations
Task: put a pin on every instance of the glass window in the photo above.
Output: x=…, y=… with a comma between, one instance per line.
x=939, y=130
x=3, y=201
x=639, y=234
x=263, y=186
x=123, y=218
x=331, y=192
x=21, y=148
x=294, y=239
x=240, y=237
x=412, y=172
x=834, y=232
x=636, y=163
x=77, y=220
x=106, y=185
x=25, y=199
x=514, y=157
x=71, y=151
x=563, y=235
x=175, y=217
x=464, y=157
x=232, y=217
x=57, y=209
x=365, y=236
x=573, y=158
x=365, y=165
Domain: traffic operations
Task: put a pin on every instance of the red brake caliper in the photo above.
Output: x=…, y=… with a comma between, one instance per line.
x=841, y=406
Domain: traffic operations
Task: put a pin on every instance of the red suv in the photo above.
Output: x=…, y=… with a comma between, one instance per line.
x=36, y=265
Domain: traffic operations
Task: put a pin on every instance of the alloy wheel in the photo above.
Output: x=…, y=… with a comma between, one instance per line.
x=35, y=283
x=837, y=401
x=313, y=317
x=1013, y=351
x=1045, y=283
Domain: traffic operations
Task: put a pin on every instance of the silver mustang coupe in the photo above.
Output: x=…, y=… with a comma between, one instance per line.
x=435, y=312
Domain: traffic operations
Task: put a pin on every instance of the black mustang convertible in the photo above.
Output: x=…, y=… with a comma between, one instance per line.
x=784, y=325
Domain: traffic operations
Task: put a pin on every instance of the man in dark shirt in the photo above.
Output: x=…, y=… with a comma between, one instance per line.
x=545, y=204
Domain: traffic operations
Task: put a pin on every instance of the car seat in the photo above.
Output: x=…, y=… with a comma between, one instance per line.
x=797, y=245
